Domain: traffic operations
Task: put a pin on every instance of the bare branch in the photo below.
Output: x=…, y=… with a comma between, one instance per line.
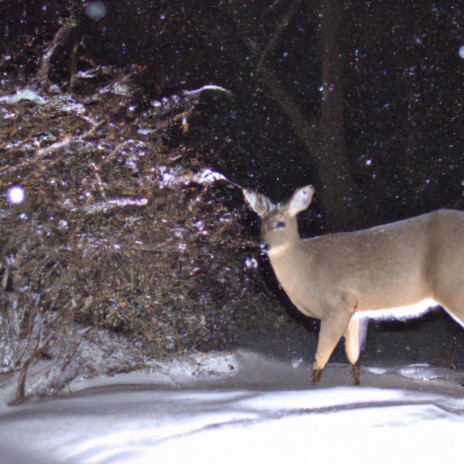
x=299, y=123
x=280, y=28
x=60, y=37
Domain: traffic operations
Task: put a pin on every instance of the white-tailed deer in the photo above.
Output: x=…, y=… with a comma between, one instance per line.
x=396, y=270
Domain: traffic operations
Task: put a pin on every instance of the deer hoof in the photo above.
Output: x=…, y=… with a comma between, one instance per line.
x=316, y=376
x=355, y=374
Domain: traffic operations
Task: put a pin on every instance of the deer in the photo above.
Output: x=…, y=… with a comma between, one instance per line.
x=394, y=271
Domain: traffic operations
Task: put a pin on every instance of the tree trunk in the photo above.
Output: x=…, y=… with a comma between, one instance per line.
x=324, y=138
x=337, y=196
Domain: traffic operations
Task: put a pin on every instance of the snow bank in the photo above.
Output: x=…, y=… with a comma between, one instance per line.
x=243, y=407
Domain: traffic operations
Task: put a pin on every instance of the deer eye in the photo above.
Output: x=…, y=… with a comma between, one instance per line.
x=279, y=225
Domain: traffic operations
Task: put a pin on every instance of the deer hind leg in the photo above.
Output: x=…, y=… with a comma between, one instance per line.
x=355, y=335
x=332, y=329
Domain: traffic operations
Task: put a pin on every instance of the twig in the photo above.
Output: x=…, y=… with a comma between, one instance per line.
x=72, y=76
x=60, y=37
x=66, y=140
x=300, y=125
x=100, y=185
x=21, y=385
x=280, y=28
x=271, y=7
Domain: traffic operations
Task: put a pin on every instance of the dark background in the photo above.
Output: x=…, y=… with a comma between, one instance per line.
x=377, y=86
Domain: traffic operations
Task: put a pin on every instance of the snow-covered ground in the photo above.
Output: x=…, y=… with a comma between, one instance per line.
x=243, y=407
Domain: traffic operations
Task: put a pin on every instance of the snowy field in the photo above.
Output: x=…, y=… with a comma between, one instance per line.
x=241, y=407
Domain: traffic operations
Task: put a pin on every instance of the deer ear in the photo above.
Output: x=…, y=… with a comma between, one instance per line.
x=260, y=204
x=300, y=200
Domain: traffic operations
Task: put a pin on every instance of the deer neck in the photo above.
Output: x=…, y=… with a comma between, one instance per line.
x=288, y=261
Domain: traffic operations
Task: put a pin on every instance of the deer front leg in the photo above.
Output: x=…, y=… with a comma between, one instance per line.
x=333, y=326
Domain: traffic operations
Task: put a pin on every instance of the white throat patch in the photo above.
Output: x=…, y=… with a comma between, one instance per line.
x=277, y=250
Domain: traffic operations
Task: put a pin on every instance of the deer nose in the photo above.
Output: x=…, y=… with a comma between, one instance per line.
x=309, y=189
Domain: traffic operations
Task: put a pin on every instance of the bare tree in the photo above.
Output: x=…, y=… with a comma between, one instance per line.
x=324, y=137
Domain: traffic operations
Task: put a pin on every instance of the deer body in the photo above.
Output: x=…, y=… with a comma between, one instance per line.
x=395, y=270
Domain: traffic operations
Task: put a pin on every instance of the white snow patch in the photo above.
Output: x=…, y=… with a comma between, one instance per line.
x=243, y=407
x=206, y=87
x=23, y=94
